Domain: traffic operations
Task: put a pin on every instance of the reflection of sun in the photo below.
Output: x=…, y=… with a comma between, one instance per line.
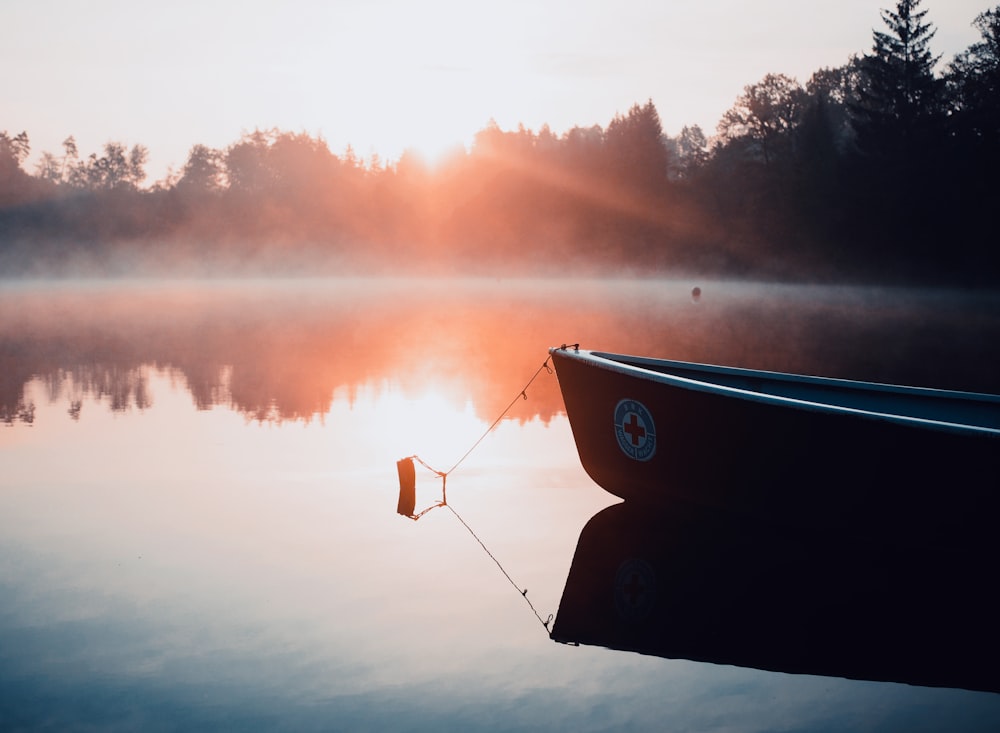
x=426, y=424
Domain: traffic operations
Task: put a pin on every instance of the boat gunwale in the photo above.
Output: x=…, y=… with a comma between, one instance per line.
x=631, y=366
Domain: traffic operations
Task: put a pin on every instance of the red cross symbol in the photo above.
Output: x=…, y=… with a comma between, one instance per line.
x=634, y=429
x=634, y=589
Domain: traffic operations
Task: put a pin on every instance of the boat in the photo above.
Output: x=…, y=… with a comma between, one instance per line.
x=906, y=462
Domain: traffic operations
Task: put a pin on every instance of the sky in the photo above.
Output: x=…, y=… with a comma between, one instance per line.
x=384, y=76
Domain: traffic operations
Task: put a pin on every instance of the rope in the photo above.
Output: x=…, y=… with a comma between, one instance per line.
x=523, y=394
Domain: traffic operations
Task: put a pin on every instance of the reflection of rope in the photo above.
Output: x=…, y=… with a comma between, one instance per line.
x=523, y=394
x=524, y=592
x=444, y=485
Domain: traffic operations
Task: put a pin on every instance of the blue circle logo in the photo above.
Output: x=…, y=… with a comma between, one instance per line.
x=635, y=430
x=635, y=590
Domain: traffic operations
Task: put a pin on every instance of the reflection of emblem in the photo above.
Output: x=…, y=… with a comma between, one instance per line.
x=635, y=590
x=635, y=430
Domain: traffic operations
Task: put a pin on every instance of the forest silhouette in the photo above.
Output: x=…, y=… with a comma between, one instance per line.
x=883, y=169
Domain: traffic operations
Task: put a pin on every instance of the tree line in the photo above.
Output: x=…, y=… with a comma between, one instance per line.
x=882, y=168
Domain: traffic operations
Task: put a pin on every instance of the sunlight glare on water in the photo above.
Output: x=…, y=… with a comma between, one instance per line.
x=426, y=424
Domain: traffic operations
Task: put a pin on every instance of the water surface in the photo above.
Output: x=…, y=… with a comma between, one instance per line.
x=198, y=492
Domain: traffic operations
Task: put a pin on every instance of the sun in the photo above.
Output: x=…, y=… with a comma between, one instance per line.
x=426, y=87
x=420, y=111
x=432, y=151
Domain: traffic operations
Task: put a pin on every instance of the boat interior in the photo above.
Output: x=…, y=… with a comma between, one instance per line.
x=957, y=408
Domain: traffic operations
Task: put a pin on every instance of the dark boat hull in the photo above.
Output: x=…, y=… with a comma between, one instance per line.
x=775, y=459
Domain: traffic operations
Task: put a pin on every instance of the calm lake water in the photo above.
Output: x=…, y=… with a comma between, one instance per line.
x=198, y=490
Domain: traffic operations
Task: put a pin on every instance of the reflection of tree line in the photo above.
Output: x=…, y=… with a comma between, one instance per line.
x=841, y=175
x=287, y=353
x=121, y=387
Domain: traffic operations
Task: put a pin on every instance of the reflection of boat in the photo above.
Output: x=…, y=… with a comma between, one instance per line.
x=703, y=585
x=786, y=447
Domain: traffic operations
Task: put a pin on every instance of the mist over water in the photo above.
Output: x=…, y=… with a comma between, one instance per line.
x=281, y=348
x=197, y=524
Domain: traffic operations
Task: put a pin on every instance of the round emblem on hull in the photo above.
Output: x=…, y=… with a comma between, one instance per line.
x=635, y=430
x=635, y=590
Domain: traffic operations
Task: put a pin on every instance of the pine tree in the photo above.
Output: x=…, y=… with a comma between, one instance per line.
x=899, y=101
x=898, y=116
x=634, y=145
